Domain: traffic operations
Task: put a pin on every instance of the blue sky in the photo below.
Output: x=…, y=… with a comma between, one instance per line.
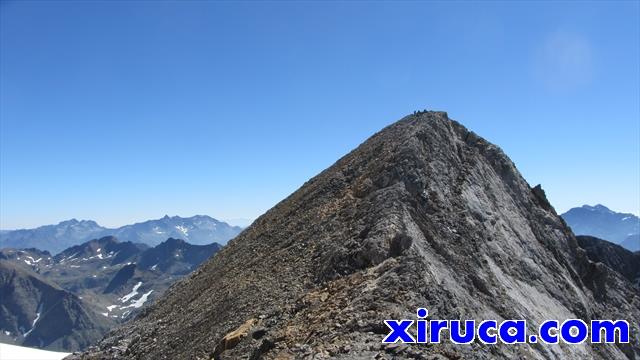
x=123, y=111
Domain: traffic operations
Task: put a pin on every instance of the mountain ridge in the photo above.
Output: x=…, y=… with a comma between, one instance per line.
x=603, y=223
x=197, y=229
x=424, y=213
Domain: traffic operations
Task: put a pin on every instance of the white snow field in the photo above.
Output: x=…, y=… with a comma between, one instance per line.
x=13, y=352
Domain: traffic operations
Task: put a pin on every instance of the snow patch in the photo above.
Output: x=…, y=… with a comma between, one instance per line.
x=133, y=293
x=68, y=258
x=99, y=256
x=32, y=261
x=35, y=321
x=183, y=230
x=14, y=352
x=138, y=303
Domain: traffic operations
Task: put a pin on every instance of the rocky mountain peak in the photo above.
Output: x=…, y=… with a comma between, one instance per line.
x=597, y=207
x=69, y=222
x=425, y=213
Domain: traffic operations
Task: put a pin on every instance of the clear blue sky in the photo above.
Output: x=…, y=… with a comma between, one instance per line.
x=123, y=111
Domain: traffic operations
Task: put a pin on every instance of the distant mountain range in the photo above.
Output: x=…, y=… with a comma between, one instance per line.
x=199, y=230
x=70, y=300
x=603, y=223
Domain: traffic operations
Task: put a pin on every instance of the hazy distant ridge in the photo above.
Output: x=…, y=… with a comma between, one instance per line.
x=603, y=223
x=198, y=230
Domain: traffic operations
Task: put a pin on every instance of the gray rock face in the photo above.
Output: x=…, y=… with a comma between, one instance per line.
x=423, y=214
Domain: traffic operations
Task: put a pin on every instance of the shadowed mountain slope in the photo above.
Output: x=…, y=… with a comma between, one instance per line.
x=44, y=315
x=176, y=256
x=423, y=214
x=614, y=256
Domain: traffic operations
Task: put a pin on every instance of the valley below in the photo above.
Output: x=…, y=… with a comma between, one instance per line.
x=70, y=300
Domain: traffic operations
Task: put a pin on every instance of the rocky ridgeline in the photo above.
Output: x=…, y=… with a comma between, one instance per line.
x=423, y=214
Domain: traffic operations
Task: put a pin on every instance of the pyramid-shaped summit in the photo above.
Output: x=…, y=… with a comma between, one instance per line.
x=425, y=213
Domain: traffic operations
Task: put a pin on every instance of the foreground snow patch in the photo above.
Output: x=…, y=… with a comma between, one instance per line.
x=13, y=352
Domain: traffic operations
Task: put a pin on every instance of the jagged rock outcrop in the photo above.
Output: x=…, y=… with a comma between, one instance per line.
x=423, y=214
